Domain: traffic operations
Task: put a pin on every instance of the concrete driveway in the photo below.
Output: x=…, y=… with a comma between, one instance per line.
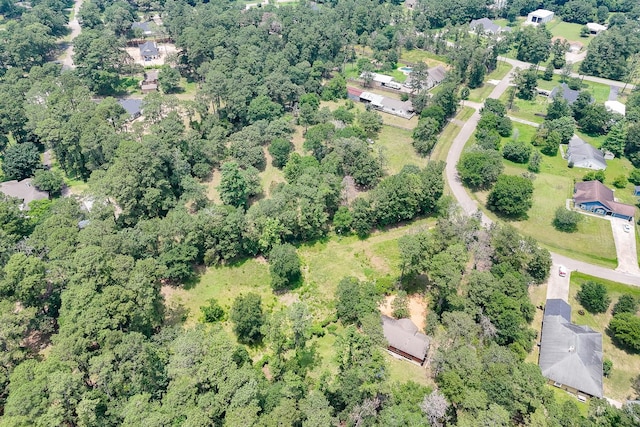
x=625, y=246
x=558, y=287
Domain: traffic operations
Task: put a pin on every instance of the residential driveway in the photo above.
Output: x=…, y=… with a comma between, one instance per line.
x=558, y=287
x=625, y=246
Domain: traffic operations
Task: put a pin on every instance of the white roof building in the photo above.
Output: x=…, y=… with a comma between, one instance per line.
x=540, y=16
x=595, y=28
x=616, y=107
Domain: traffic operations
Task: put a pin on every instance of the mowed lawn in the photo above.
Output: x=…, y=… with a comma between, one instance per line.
x=626, y=366
x=481, y=93
x=567, y=31
x=397, y=149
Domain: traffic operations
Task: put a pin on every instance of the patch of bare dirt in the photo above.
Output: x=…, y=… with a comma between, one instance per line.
x=385, y=306
x=288, y=298
x=261, y=260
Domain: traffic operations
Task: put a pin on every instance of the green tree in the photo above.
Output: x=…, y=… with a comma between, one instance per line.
x=280, y=149
x=594, y=297
x=400, y=305
x=247, y=317
x=516, y=151
x=480, y=168
x=558, y=108
x=342, y=220
x=616, y=139
x=620, y=181
x=234, y=188
x=263, y=108
x=425, y=136
x=355, y=300
x=566, y=220
x=20, y=161
x=49, y=181
x=526, y=82
x=335, y=89
x=595, y=119
x=626, y=330
x=213, y=312
x=511, y=196
x=626, y=304
x=284, y=266
x=533, y=44
x=169, y=79
x=24, y=280
x=534, y=162
x=565, y=126
x=371, y=122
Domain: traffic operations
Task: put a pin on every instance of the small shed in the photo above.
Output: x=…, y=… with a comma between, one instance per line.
x=595, y=29
x=404, y=339
x=540, y=16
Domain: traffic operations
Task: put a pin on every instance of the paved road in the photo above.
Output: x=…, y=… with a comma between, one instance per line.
x=470, y=206
x=74, y=25
x=523, y=65
x=523, y=121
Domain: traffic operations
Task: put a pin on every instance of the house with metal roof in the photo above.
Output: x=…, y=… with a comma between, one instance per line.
x=595, y=197
x=570, y=355
x=388, y=105
x=540, y=16
x=23, y=190
x=404, y=339
x=581, y=154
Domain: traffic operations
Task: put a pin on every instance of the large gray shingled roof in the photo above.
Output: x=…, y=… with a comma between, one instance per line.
x=571, y=355
x=403, y=335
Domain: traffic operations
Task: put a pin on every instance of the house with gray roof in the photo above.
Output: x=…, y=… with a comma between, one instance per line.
x=132, y=106
x=147, y=28
x=568, y=94
x=23, y=190
x=404, y=339
x=570, y=355
x=581, y=154
x=488, y=26
x=436, y=75
x=388, y=105
x=149, y=51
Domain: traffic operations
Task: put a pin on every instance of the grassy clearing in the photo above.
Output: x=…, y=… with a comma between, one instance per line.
x=625, y=365
x=325, y=263
x=416, y=55
x=397, y=149
x=351, y=72
x=270, y=176
x=481, y=93
x=567, y=31
x=563, y=396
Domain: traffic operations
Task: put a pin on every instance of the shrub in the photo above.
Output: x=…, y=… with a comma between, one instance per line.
x=566, y=220
x=534, y=162
x=284, y=266
x=212, y=312
x=49, y=181
x=594, y=176
x=607, y=366
x=248, y=318
x=626, y=304
x=518, y=152
x=620, y=181
x=593, y=296
x=634, y=177
x=626, y=330
x=548, y=73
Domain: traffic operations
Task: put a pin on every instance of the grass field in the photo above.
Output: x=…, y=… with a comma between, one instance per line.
x=481, y=93
x=568, y=31
x=397, y=149
x=417, y=55
x=626, y=366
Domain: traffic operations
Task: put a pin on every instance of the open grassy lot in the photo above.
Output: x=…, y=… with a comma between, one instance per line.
x=325, y=263
x=481, y=93
x=626, y=366
x=397, y=149
x=567, y=31
x=417, y=55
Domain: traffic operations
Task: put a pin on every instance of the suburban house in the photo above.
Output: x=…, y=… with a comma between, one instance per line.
x=23, y=190
x=132, y=106
x=595, y=29
x=435, y=76
x=404, y=339
x=393, y=106
x=540, y=16
x=149, y=50
x=581, y=154
x=488, y=26
x=381, y=80
x=595, y=197
x=147, y=28
x=568, y=94
x=616, y=107
x=570, y=355
x=150, y=82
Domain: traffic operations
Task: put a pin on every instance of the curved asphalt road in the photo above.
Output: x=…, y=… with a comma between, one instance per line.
x=470, y=206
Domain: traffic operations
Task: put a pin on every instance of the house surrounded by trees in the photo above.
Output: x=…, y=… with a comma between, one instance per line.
x=404, y=339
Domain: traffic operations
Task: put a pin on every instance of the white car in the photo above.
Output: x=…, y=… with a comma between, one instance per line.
x=562, y=271
x=627, y=228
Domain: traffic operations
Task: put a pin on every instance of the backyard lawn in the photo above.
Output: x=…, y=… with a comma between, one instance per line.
x=397, y=149
x=568, y=31
x=626, y=366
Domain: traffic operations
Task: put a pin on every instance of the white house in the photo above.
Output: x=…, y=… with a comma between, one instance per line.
x=540, y=16
x=595, y=29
